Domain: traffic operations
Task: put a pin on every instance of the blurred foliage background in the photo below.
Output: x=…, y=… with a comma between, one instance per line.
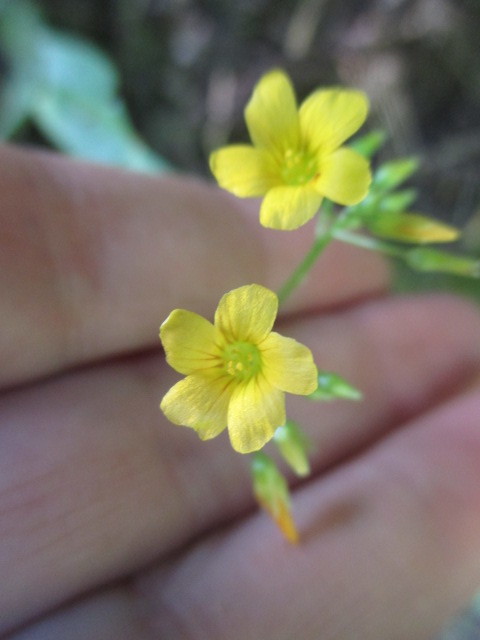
x=185, y=68
x=157, y=84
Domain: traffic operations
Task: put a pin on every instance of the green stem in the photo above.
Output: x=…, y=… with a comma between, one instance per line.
x=367, y=242
x=299, y=274
x=328, y=230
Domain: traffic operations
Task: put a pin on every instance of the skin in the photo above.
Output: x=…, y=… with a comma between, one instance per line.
x=115, y=524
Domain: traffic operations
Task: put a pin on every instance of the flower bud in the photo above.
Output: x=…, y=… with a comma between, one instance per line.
x=332, y=386
x=293, y=446
x=411, y=227
x=391, y=174
x=271, y=491
x=424, y=259
x=369, y=143
x=397, y=200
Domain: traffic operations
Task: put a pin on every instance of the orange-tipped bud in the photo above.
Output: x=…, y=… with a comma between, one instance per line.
x=271, y=491
x=412, y=227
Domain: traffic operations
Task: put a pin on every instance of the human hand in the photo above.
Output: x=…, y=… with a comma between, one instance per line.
x=115, y=524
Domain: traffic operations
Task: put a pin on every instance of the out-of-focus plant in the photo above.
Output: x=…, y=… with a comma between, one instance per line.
x=237, y=369
x=68, y=88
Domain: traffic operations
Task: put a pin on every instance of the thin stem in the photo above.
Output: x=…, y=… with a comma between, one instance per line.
x=329, y=229
x=299, y=274
x=366, y=242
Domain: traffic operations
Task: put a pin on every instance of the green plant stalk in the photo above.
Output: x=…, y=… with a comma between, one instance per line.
x=367, y=242
x=302, y=270
x=333, y=229
x=323, y=236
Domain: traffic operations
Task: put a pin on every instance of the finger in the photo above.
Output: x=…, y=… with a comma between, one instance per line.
x=403, y=356
x=113, y=613
x=391, y=547
x=95, y=484
x=93, y=259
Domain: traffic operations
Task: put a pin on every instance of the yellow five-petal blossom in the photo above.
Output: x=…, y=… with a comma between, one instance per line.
x=296, y=158
x=237, y=369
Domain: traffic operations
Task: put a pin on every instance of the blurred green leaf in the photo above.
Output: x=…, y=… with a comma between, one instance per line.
x=69, y=89
x=97, y=131
x=19, y=23
x=69, y=63
x=15, y=104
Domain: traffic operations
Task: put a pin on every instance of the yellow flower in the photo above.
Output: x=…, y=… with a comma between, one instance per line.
x=296, y=158
x=237, y=369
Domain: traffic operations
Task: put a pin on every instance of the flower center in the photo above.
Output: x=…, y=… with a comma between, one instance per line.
x=298, y=167
x=242, y=360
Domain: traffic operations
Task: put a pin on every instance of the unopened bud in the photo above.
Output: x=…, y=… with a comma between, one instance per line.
x=441, y=261
x=397, y=200
x=332, y=386
x=390, y=174
x=271, y=491
x=293, y=445
x=412, y=227
x=370, y=143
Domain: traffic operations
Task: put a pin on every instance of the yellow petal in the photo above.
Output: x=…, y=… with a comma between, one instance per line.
x=244, y=170
x=271, y=114
x=329, y=116
x=344, y=177
x=288, y=364
x=199, y=402
x=247, y=314
x=288, y=207
x=256, y=410
x=190, y=342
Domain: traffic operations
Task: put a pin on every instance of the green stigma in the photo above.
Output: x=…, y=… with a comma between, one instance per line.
x=298, y=167
x=242, y=360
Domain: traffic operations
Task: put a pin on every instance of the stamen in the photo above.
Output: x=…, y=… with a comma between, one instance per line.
x=298, y=167
x=242, y=360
